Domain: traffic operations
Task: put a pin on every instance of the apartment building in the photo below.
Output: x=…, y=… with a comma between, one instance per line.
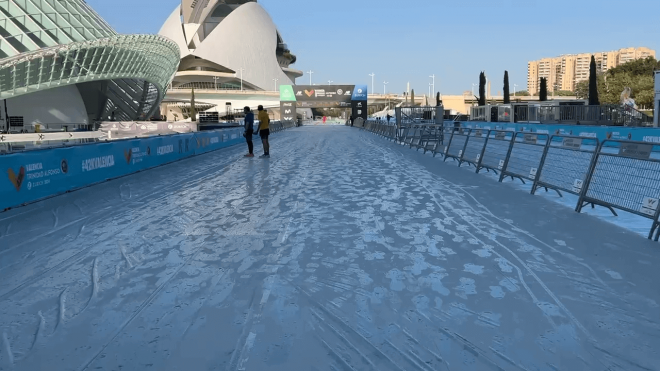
x=564, y=72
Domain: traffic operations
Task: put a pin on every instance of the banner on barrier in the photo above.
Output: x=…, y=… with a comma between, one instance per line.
x=31, y=176
x=650, y=135
x=635, y=150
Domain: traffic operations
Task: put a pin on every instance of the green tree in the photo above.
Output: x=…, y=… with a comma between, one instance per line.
x=543, y=90
x=522, y=93
x=507, y=98
x=582, y=89
x=637, y=75
x=193, y=109
x=593, y=84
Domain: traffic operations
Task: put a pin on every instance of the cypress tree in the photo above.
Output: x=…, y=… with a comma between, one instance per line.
x=543, y=94
x=482, y=89
x=507, y=98
x=593, y=84
x=437, y=99
x=193, y=109
x=412, y=98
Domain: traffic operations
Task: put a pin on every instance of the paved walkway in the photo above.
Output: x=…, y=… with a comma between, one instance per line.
x=341, y=252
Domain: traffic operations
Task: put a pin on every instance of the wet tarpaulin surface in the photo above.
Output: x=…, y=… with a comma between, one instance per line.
x=341, y=252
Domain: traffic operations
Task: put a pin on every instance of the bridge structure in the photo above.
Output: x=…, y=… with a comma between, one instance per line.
x=345, y=250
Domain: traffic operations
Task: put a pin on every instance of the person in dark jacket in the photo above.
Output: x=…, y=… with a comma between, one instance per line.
x=249, y=130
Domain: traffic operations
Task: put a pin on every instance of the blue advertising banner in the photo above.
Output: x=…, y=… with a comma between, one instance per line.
x=360, y=92
x=31, y=176
x=651, y=135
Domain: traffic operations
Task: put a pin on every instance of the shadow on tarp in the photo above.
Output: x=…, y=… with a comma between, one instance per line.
x=28, y=177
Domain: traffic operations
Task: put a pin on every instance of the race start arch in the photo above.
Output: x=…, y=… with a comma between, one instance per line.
x=293, y=97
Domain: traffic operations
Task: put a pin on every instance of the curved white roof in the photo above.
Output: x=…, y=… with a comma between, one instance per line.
x=245, y=39
x=48, y=44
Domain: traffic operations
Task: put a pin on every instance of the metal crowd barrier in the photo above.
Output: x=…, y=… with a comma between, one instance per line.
x=431, y=138
x=474, y=147
x=445, y=138
x=615, y=174
x=566, y=163
x=496, y=150
x=626, y=175
x=457, y=143
x=524, y=157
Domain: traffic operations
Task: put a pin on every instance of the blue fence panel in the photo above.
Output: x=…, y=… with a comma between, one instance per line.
x=35, y=175
x=651, y=135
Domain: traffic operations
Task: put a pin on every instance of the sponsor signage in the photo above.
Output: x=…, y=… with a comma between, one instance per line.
x=30, y=176
x=324, y=96
x=572, y=143
x=636, y=150
x=288, y=113
x=318, y=93
x=649, y=206
x=530, y=139
x=577, y=185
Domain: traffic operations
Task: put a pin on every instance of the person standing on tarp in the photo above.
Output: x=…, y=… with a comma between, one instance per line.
x=264, y=130
x=249, y=130
x=388, y=118
x=352, y=121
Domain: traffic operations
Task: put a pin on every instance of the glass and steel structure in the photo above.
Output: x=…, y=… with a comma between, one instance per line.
x=46, y=44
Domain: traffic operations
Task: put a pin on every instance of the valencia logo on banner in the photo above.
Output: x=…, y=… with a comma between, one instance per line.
x=17, y=179
x=128, y=155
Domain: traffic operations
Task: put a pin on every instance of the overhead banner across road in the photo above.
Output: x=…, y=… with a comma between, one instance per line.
x=323, y=96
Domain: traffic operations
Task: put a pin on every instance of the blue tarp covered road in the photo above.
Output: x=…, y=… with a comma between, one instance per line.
x=342, y=252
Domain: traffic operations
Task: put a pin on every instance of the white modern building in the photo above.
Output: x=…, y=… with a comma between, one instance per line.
x=231, y=52
x=62, y=65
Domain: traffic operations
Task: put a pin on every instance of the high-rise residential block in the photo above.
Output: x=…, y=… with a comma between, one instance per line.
x=566, y=71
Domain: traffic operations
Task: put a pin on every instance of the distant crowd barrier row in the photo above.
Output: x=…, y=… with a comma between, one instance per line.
x=35, y=175
x=616, y=174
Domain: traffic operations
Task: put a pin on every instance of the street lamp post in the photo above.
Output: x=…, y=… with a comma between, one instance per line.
x=241, y=71
x=385, y=83
x=473, y=85
x=373, y=91
x=433, y=83
x=330, y=82
x=514, y=89
x=215, y=81
x=310, y=72
x=275, y=83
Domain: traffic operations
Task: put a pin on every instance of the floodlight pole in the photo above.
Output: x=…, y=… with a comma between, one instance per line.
x=310, y=72
x=373, y=91
x=433, y=83
x=242, y=69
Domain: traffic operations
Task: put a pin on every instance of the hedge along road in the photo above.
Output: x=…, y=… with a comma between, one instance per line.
x=342, y=252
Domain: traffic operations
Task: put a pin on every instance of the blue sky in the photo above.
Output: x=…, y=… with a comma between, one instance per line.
x=407, y=41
